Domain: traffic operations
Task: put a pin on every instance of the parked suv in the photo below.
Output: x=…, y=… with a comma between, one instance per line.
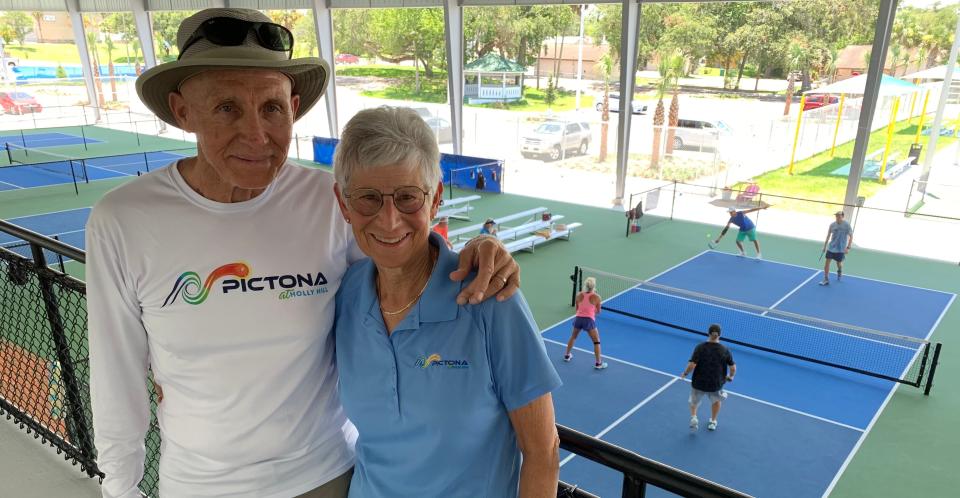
x=638, y=107
x=699, y=133
x=555, y=138
x=19, y=103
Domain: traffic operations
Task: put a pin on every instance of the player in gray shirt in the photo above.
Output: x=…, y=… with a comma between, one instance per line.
x=836, y=246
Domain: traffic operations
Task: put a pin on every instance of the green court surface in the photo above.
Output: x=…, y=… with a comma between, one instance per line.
x=909, y=450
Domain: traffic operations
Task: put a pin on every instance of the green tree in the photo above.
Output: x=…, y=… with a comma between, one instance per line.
x=410, y=35
x=305, y=35
x=350, y=32
x=20, y=25
x=606, y=71
x=550, y=94
x=165, y=25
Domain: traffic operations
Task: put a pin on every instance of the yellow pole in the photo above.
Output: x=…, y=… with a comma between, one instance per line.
x=836, y=128
x=923, y=113
x=913, y=100
x=796, y=133
x=886, y=147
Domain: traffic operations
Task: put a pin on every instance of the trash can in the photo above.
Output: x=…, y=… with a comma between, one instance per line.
x=914, y=154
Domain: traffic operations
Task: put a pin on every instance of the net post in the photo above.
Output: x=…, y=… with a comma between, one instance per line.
x=6, y=146
x=136, y=132
x=23, y=138
x=933, y=369
x=146, y=162
x=84, y=135
x=575, y=279
x=83, y=171
x=629, y=218
x=673, y=199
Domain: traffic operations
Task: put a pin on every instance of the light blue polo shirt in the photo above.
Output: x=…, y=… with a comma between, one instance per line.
x=431, y=400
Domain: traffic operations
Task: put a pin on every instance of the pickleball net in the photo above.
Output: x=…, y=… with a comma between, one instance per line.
x=68, y=167
x=885, y=355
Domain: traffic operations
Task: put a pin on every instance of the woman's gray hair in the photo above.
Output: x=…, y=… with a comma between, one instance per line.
x=387, y=136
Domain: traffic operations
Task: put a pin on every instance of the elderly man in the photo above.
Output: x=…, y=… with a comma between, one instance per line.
x=219, y=272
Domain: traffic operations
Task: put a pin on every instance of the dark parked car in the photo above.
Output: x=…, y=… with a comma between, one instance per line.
x=19, y=103
x=347, y=59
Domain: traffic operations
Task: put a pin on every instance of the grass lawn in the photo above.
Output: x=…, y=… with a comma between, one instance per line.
x=65, y=53
x=812, y=178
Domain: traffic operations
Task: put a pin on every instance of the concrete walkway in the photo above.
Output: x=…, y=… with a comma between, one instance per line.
x=29, y=469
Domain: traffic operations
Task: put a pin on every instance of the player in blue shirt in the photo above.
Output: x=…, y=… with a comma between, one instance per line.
x=748, y=230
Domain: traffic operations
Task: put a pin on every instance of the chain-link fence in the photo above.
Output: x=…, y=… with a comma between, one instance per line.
x=44, y=353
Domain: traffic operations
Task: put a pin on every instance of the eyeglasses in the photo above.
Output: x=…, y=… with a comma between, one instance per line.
x=368, y=201
x=230, y=32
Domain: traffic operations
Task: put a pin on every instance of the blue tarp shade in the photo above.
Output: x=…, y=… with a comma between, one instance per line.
x=465, y=172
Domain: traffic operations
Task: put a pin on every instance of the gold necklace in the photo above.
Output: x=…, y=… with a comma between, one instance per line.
x=404, y=308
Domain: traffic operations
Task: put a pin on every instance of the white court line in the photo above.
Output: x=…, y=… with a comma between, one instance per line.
x=12, y=185
x=795, y=289
x=678, y=265
x=11, y=220
x=110, y=170
x=768, y=403
x=626, y=415
x=691, y=258
x=805, y=326
x=856, y=276
x=876, y=416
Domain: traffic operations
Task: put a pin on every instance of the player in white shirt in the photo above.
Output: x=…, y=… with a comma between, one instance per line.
x=218, y=273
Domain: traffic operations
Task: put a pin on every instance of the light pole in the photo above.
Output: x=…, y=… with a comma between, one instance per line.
x=580, y=57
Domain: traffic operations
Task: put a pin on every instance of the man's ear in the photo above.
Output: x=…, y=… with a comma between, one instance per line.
x=294, y=103
x=179, y=108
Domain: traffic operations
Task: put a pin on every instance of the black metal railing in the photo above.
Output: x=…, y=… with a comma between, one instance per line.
x=45, y=377
x=639, y=472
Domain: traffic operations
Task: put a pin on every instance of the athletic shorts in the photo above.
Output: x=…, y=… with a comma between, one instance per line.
x=714, y=396
x=749, y=234
x=584, y=323
x=836, y=256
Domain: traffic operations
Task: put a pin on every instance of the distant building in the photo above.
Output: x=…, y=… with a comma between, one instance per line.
x=550, y=53
x=852, y=61
x=53, y=27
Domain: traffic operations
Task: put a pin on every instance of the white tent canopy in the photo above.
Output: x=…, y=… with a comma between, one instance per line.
x=933, y=73
x=854, y=86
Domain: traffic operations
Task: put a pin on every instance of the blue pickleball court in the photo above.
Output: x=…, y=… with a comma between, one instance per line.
x=789, y=426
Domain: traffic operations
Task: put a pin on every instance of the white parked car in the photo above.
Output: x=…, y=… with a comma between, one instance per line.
x=638, y=107
x=556, y=139
x=700, y=133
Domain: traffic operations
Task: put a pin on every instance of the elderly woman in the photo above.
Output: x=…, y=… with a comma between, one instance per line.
x=446, y=397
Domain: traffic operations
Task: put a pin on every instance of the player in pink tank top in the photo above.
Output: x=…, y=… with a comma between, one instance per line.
x=588, y=305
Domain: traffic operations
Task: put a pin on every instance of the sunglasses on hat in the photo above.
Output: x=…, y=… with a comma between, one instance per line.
x=231, y=32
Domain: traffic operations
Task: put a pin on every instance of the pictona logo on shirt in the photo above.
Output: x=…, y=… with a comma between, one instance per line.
x=195, y=291
x=434, y=360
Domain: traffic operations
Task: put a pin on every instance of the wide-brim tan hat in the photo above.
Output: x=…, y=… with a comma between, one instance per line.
x=309, y=74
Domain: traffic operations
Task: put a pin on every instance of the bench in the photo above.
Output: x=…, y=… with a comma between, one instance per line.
x=508, y=234
x=455, y=208
x=530, y=242
x=897, y=169
x=530, y=213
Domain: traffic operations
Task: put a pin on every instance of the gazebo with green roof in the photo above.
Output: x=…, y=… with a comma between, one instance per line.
x=483, y=75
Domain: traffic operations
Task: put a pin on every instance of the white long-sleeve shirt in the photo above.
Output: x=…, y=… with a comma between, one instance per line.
x=231, y=306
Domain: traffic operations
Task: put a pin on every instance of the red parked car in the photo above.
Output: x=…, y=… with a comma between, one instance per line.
x=19, y=103
x=347, y=59
x=817, y=101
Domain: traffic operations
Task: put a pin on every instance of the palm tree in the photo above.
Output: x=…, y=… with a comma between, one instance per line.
x=664, y=84
x=675, y=69
x=113, y=81
x=796, y=56
x=606, y=69
x=38, y=16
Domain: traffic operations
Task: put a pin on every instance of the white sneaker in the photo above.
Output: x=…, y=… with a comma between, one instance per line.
x=694, y=423
x=712, y=425
x=741, y=254
x=824, y=282
x=600, y=366
x=759, y=256
x=568, y=357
